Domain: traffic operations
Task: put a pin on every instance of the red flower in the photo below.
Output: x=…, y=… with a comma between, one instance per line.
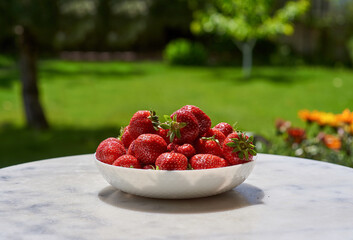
x=297, y=135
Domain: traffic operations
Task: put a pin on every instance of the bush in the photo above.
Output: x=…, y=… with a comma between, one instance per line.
x=184, y=52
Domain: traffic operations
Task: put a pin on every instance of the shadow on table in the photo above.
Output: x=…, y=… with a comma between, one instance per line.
x=242, y=196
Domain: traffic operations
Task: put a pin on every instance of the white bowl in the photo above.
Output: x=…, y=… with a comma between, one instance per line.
x=175, y=184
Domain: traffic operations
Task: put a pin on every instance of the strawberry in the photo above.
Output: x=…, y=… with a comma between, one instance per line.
x=131, y=149
x=152, y=167
x=109, y=150
x=147, y=147
x=172, y=161
x=205, y=161
x=186, y=149
x=126, y=137
x=203, y=120
x=164, y=134
x=218, y=135
x=114, y=139
x=183, y=127
x=127, y=161
x=209, y=145
x=172, y=146
x=143, y=122
x=224, y=127
x=238, y=148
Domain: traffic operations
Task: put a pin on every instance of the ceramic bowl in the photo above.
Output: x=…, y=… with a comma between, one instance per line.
x=175, y=184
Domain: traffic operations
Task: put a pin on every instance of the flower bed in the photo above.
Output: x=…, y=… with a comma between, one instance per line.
x=326, y=136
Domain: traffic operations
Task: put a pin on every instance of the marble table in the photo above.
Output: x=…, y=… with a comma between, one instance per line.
x=283, y=198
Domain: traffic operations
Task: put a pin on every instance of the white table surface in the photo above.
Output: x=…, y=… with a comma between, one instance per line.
x=283, y=198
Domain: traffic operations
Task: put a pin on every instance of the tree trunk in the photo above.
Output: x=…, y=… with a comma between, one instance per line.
x=246, y=49
x=28, y=70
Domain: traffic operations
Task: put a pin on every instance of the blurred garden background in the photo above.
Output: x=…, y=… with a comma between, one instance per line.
x=72, y=72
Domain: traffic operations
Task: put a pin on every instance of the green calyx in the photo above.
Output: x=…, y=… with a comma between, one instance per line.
x=243, y=146
x=121, y=132
x=154, y=119
x=174, y=127
x=213, y=138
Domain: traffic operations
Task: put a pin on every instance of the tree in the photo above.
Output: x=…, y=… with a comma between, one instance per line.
x=34, y=23
x=246, y=21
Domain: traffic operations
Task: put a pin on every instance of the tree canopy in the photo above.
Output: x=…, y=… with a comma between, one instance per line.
x=245, y=21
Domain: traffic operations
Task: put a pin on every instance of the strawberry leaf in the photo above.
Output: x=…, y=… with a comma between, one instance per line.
x=178, y=135
x=231, y=144
x=253, y=152
x=246, y=155
x=168, y=118
x=171, y=136
x=164, y=126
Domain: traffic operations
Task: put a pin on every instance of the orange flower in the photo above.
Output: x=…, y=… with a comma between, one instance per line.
x=304, y=115
x=332, y=142
x=314, y=116
x=346, y=116
x=296, y=134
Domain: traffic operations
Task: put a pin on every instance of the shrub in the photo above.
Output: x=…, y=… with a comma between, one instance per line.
x=184, y=52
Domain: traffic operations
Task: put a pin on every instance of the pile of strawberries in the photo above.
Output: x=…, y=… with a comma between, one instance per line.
x=184, y=141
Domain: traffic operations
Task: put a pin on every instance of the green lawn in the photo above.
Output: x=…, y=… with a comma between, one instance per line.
x=87, y=102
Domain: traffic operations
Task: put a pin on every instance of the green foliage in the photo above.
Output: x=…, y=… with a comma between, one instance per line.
x=184, y=52
x=243, y=20
x=324, y=143
x=38, y=17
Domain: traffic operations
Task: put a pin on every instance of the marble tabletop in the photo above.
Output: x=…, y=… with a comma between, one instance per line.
x=283, y=198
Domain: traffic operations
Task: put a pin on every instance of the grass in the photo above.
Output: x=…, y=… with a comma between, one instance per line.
x=87, y=102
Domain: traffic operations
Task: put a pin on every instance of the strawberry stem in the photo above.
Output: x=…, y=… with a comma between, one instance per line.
x=154, y=119
x=243, y=146
x=174, y=127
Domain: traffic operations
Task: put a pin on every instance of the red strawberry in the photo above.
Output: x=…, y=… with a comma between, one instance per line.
x=209, y=145
x=164, y=134
x=127, y=161
x=203, y=120
x=217, y=135
x=205, y=161
x=152, y=167
x=109, y=150
x=238, y=148
x=172, y=161
x=143, y=122
x=147, y=147
x=183, y=127
x=126, y=137
x=186, y=149
x=114, y=139
x=172, y=146
x=224, y=127
x=131, y=150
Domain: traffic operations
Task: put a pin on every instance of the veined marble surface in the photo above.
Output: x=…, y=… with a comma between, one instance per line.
x=283, y=198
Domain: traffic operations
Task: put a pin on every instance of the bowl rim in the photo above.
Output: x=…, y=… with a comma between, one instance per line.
x=177, y=171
